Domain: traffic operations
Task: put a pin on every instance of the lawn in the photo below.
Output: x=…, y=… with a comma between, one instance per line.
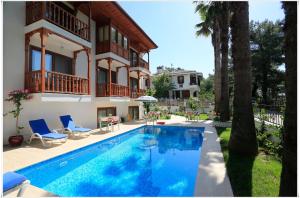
x=203, y=116
x=250, y=176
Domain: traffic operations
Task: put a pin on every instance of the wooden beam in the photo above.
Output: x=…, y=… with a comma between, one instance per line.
x=138, y=85
x=109, y=75
x=27, y=42
x=128, y=75
x=74, y=62
x=89, y=59
x=44, y=36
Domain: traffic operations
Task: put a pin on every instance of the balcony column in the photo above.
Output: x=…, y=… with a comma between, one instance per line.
x=97, y=80
x=138, y=85
x=109, y=76
x=148, y=58
x=89, y=59
x=128, y=79
x=27, y=42
x=44, y=36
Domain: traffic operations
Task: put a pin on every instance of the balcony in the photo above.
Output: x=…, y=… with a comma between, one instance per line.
x=51, y=12
x=144, y=64
x=107, y=46
x=102, y=90
x=135, y=93
x=56, y=82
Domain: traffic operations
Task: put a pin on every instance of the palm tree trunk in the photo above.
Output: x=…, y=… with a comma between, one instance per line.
x=217, y=77
x=243, y=137
x=288, y=183
x=224, y=102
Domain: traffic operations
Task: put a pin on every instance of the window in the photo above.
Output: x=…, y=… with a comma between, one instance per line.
x=133, y=83
x=193, y=79
x=180, y=79
x=106, y=33
x=125, y=43
x=113, y=35
x=103, y=33
x=133, y=58
x=185, y=94
x=119, y=39
x=36, y=61
x=103, y=76
x=54, y=62
x=104, y=112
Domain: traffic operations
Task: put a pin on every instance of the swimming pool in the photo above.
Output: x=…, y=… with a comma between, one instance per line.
x=147, y=161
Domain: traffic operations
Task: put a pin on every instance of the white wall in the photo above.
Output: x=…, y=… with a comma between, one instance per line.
x=85, y=113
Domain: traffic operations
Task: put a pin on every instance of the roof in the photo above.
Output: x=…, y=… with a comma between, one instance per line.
x=111, y=11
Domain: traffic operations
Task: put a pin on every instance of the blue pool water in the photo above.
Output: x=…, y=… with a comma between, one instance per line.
x=148, y=161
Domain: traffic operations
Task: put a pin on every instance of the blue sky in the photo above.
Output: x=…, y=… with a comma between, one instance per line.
x=171, y=25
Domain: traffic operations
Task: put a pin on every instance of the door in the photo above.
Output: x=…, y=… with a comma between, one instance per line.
x=133, y=112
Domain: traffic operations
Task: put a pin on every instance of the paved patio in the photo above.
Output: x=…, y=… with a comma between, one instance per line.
x=212, y=179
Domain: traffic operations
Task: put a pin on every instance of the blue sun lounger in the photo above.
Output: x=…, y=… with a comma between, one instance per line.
x=41, y=131
x=12, y=181
x=70, y=126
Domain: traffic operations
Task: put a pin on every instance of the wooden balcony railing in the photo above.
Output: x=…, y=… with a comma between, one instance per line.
x=56, y=82
x=53, y=13
x=144, y=64
x=106, y=46
x=102, y=90
x=135, y=94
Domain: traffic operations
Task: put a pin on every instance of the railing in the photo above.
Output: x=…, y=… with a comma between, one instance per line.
x=56, y=82
x=119, y=90
x=102, y=90
x=106, y=46
x=269, y=113
x=53, y=13
x=144, y=64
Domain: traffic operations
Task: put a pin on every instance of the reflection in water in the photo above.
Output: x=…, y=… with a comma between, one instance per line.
x=170, y=138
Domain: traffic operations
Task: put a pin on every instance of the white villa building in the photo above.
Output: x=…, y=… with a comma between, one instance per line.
x=84, y=59
x=187, y=82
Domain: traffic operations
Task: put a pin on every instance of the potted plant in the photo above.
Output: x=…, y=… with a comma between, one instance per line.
x=16, y=97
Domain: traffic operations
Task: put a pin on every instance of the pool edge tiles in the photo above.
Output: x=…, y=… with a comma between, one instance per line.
x=186, y=142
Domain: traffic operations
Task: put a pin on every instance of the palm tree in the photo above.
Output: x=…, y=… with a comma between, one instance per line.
x=210, y=26
x=288, y=183
x=243, y=137
x=215, y=22
x=224, y=25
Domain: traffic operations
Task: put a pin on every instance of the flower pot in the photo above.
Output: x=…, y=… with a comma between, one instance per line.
x=15, y=140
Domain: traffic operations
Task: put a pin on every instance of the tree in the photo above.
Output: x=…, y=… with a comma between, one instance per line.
x=210, y=26
x=243, y=137
x=207, y=84
x=288, y=183
x=266, y=40
x=215, y=22
x=162, y=84
x=224, y=24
